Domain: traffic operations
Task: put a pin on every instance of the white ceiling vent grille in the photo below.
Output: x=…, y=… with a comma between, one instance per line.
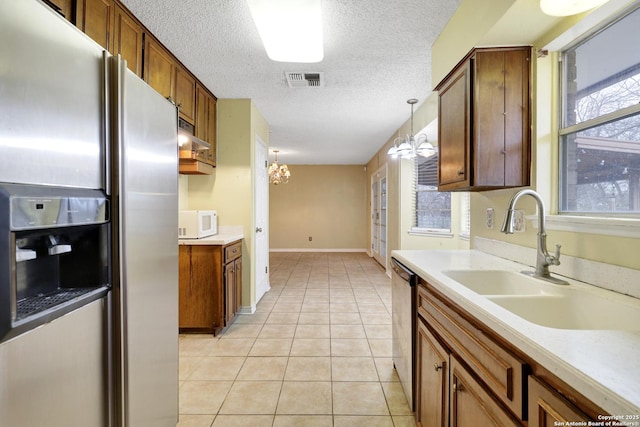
x=305, y=79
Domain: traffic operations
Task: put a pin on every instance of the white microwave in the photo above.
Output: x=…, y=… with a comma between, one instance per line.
x=197, y=224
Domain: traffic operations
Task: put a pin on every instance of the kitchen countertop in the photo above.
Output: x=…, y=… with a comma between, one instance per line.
x=603, y=365
x=223, y=238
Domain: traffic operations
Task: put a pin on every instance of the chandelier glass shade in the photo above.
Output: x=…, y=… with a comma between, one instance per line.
x=278, y=173
x=411, y=146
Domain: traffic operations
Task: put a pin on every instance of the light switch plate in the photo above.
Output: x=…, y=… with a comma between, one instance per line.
x=489, y=219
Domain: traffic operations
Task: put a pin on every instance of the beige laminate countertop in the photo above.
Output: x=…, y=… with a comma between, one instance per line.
x=603, y=365
x=218, y=239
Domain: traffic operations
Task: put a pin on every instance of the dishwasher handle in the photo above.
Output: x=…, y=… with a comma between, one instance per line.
x=404, y=273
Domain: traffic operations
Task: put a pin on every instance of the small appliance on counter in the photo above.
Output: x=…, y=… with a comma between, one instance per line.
x=196, y=224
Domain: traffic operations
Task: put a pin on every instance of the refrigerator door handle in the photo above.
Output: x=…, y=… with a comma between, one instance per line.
x=106, y=123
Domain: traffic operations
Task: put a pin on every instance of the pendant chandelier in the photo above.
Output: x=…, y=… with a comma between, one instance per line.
x=410, y=146
x=278, y=173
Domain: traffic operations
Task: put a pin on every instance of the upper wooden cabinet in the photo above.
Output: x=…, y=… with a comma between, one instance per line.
x=159, y=68
x=206, y=123
x=128, y=37
x=96, y=19
x=185, y=93
x=63, y=7
x=484, y=132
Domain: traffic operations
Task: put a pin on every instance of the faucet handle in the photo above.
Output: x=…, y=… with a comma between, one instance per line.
x=555, y=259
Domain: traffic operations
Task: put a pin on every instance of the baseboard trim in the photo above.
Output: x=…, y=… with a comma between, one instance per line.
x=247, y=309
x=317, y=250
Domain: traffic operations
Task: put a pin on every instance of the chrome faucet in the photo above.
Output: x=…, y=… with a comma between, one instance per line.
x=544, y=259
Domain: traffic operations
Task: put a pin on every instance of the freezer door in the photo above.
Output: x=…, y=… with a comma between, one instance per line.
x=144, y=188
x=52, y=113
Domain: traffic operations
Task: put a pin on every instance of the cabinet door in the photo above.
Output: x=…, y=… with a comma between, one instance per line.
x=453, y=130
x=230, y=291
x=547, y=408
x=471, y=404
x=63, y=7
x=238, y=283
x=200, y=295
x=501, y=117
x=432, y=393
x=159, y=68
x=201, y=113
x=489, y=118
x=128, y=40
x=185, y=94
x=205, y=103
x=212, y=134
x=517, y=127
x=95, y=18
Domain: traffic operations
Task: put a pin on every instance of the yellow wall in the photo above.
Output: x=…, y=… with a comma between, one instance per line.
x=230, y=189
x=326, y=202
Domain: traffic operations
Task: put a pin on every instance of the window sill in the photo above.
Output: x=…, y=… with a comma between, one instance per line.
x=623, y=227
x=430, y=233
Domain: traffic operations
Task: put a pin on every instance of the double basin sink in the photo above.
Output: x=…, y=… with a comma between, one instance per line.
x=550, y=305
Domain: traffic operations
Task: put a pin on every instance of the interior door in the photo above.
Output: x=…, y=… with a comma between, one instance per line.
x=261, y=185
x=379, y=216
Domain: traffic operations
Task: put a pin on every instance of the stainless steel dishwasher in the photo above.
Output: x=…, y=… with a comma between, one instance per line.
x=403, y=313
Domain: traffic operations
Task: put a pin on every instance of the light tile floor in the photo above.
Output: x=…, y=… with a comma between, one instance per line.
x=317, y=352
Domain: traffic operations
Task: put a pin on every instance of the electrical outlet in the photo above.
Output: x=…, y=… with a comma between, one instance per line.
x=519, y=223
x=489, y=218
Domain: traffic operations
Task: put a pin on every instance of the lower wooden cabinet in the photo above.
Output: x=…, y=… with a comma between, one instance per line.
x=210, y=282
x=466, y=375
x=448, y=394
x=432, y=390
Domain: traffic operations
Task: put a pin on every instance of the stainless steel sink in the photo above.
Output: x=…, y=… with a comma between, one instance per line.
x=552, y=306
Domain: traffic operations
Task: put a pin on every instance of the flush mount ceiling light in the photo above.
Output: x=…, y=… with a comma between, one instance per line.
x=410, y=146
x=291, y=30
x=568, y=7
x=278, y=173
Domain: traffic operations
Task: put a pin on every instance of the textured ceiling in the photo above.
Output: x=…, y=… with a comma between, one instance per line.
x=376, y=56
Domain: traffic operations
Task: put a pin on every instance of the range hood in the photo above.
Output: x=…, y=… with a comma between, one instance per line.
x=190, y=151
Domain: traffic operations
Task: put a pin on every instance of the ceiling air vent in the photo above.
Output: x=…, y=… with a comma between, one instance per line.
x=305, y=79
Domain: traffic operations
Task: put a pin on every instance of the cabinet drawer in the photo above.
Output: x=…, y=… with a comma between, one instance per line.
x=232, y=251
x=501, y=371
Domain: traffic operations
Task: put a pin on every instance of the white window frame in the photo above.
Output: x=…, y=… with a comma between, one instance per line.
x=424, y=231
x=610, y=226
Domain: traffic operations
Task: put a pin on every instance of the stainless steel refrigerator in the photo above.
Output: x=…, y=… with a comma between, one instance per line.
x=73, y=116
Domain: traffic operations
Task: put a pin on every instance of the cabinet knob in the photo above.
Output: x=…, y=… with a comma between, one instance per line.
x=258, y=229
x=461, y=172
x=437, y=367
x=457, y=387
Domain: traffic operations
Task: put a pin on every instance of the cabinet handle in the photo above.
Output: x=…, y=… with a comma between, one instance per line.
x=437, y=367
x=170, y=100
x=460, y=172
x=457, y=387
x=179, y=105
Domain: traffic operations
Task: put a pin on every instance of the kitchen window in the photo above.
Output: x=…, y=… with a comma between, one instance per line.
x=432, y=208
x=600, y=133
